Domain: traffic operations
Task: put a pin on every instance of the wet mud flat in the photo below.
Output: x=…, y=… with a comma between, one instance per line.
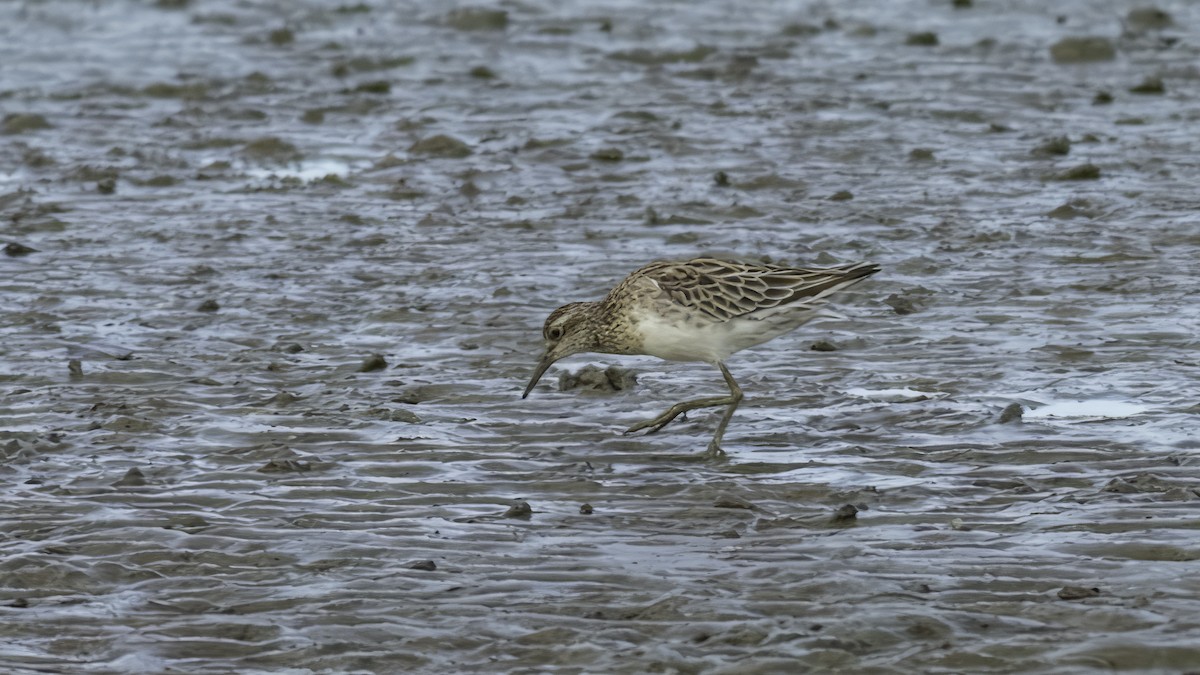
x=274, y=275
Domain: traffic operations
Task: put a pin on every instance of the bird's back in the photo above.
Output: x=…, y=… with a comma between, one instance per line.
x=706, y=309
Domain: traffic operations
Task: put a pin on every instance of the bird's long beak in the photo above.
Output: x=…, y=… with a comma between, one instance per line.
x=548, y=360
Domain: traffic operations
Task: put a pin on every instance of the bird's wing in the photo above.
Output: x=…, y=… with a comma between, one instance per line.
x=724, y=289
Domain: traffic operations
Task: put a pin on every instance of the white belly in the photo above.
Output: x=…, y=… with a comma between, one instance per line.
x=702, y=340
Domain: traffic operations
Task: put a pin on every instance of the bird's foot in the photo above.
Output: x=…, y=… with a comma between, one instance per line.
x=714, y=451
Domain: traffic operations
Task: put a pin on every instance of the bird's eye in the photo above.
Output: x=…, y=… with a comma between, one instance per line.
x=555, y=333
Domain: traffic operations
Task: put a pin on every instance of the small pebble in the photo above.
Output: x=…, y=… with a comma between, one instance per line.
x=1011, y=413
x=14, y=249
x=75, y=368
x=586, y=509
x=132, y=477
x=373, y=363
x=209, y=305
x=731, y=502
x=846, y=513
x=519, y=509
x=423, y=565
x=823, y=346
x=1077, y=593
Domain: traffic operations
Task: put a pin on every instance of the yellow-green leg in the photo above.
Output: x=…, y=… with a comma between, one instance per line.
x=714, y=446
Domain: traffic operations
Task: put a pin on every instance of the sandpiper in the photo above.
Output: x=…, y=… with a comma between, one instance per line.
x=703, y=309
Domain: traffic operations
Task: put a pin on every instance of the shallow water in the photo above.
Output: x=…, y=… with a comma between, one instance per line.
x=231, y=211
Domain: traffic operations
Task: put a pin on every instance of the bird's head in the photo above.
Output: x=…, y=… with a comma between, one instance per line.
x=566, y=333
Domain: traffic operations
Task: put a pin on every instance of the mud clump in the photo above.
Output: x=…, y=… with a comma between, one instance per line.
x=441, y=145
x=281, y=36
x=920, y=155
x=1148, y=18
x=586, y=509
x=423, y=565
x=731, y=502
x=477, y=18
x=209, y=306
x=909, y=301
x=923, y=39
x=1102, y=98
x=593, y=378
x=1013, y=412
x=823, y=346
x=14, y=250
x=1151, y=85
x=646, y=57
x=519, y=509
x=841, y=196
x=607, y=155
x=271, y=149
x=132, y=478
x=373, y=363
x=1083, y=50
x=1077, y=593
x=1087, y=171
x=1059, y=145
x=21, y=123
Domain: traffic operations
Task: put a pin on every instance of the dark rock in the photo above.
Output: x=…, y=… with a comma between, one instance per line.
x=586, y=509
x=14, y=249
x=441, y=145
x=132, y=478
x=373, y=363
x=1077, y=592
x=823, y=346
x=519, y=509
x=1083, y=50
x=423, y=565
x=1011, y=413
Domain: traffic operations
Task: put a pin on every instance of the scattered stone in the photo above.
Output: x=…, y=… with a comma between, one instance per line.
x=1059, y=145
x=801, y=30
x=924, y=39
x=271, y=149
x=282, y=399
x=920, y=155
x=373, y=363
x=75, y=368
x=1150, y=85
x=1087, y=171
x=483, y=73
x=519, y=509
x=1083, y=50
x=281, y=36
x=423, y=565
x=1148, y=18
x=1102, y=98
x=647, y=57
x=845, y=514
x=1120, y=485
x=208, y=305
x=841, y=196
x=106, y=186
x=1000, y=484
x=823, y=346
x=1067, y=211
x=725, y=501
x=607, y=155
x=285, y=465
x=477, y=18
x=441, y=145
x=406, y=416
x=1077, y=592
x=190, y=521
x=20, y=123
x=586, y=509
x=721, y=179
x=14, y=249
x=374, y=87
x=132, y=478
x=593, y=378
x=908, y=301
x=1011, y=413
